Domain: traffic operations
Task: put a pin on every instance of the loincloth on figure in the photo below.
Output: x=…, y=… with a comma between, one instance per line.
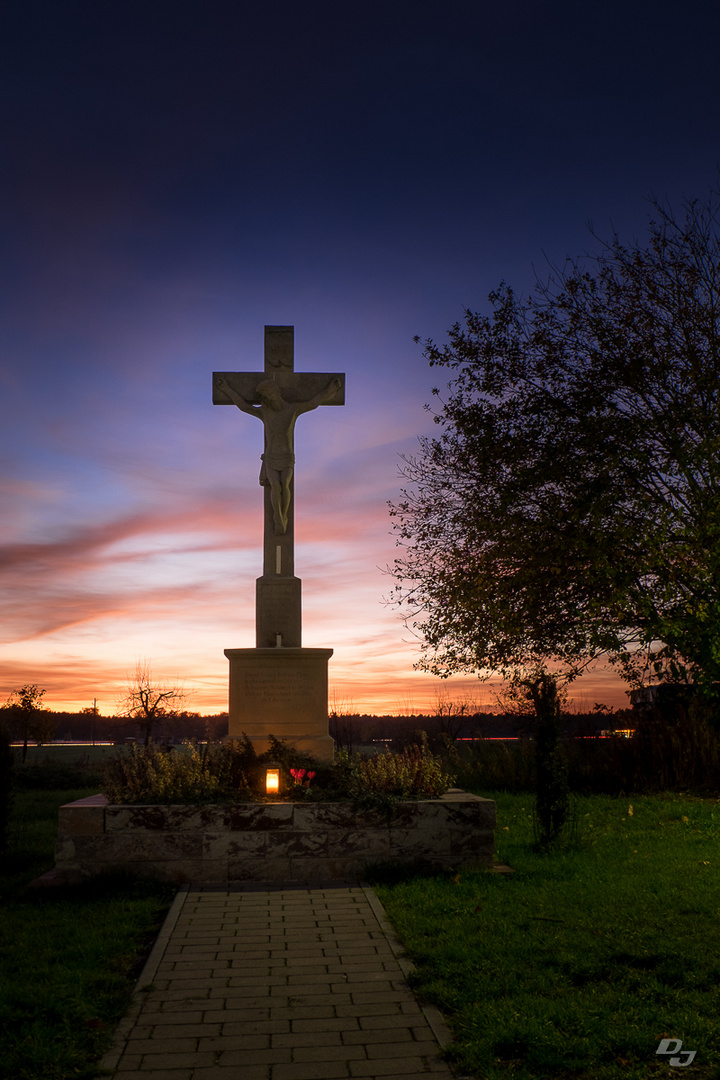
x=277, y=461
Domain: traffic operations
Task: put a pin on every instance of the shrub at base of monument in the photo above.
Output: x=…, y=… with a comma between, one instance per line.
x=234, y=772
x=392, y=808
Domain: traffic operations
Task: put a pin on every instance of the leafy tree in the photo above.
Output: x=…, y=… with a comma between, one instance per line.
x=29, y=716
x=570, y=507
x=147, y=701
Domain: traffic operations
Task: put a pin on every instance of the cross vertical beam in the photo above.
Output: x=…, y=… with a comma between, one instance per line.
x=279, y=551
x=277, y=396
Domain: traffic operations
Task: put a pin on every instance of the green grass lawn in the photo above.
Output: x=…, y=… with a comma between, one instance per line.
x=575, y=966
x=90, y=756
x=581, y=961
x=69, y=957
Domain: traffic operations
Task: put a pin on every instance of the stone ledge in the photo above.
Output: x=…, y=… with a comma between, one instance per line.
x=265, y=842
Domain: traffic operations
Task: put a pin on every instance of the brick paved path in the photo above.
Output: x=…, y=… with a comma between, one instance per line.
x=281, y=984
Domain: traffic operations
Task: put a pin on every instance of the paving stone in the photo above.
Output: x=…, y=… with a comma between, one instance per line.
x=293, y=984
x=397, y=1021
x=302, y=995
x=304, y=984
x=130, y=1061
x=413, y=1066
x=234, y=1058
x=331, y=1024
x=152, y=1019
x=177, y=1061
x=309, y=1038
x=318, y=1070
x=233, y=999
x=396, y=1050
x=217, y=1072
x=235, y=1042
x=161, y=1046
x=194, y=982
x=181, y=999
x=257, y=1027
x=303, y=1012
x=253, y=982
x=158, y=1074
x=168, y=1031
x=370, y=1009
x=378, y=1036
x=225, y=1016
x=358, y=981
x=373, y=996
x=329, y=1053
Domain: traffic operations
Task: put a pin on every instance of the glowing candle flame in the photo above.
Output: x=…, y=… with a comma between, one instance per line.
x=272, y=781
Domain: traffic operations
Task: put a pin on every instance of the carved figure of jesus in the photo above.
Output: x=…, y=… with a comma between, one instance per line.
x=278, y=417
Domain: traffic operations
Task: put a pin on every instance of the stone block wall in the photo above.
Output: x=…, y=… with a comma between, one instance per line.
x=266, y=842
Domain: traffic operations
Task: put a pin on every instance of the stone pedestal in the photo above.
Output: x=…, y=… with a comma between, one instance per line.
x=281, y=692
x=278, y=612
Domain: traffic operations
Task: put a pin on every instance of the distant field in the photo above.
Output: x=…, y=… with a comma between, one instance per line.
x=74, y=754
x=66, y=755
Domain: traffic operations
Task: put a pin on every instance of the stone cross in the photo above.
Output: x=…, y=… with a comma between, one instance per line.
x=277, y=396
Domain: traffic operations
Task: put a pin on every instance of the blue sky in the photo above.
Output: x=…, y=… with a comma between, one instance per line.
x=175, y=176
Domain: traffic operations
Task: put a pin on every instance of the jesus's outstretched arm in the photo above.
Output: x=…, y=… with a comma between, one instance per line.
x=237, y=399
x=322, y=398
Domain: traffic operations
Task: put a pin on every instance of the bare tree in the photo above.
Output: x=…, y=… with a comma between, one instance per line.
x=94, y=711
x=341, y=716
x=453, y=714
x=148, y=700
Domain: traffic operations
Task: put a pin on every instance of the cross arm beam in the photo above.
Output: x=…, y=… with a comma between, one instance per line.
x=295, y=386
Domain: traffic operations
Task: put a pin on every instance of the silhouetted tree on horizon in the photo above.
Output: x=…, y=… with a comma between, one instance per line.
x=148, y=701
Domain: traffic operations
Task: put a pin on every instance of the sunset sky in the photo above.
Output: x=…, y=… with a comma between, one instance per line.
x=177, y=174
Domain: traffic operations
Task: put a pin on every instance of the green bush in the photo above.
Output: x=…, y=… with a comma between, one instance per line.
x=150, y=774
x=228, y=772
x=234, y=772
x=414, y=772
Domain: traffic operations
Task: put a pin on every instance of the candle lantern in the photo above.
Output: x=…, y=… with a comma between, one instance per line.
x=272, y=778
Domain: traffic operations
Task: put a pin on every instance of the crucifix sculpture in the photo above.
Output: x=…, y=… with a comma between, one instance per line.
x=277, y=396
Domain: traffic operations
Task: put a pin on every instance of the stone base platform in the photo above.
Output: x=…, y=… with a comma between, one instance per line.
x=281, y=692
x=271, y=842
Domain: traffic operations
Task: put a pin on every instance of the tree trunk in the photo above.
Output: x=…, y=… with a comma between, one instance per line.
x=552, y=796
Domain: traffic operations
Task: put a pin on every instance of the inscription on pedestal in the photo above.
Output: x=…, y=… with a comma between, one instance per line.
x=278, y=688
x=280, y=692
